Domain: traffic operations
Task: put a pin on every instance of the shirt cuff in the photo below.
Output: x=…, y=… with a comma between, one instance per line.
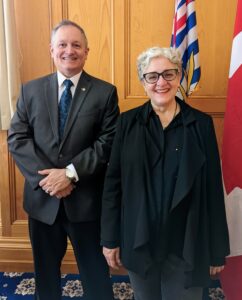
x=72, y=168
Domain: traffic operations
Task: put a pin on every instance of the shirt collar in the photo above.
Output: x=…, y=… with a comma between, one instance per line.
x=186, y=113
x=74, y=79
x=151, y=113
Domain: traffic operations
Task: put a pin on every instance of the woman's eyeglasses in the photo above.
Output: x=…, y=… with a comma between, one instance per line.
x=167, y=75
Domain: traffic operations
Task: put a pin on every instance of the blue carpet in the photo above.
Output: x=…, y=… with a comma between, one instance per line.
x=16, y=286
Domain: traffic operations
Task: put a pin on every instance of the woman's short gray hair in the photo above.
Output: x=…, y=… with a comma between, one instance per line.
x=145, y=57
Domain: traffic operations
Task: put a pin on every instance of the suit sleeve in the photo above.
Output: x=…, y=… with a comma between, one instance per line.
x=111, y=201
x=219, y=241
x=94, y=158
x=21, y=144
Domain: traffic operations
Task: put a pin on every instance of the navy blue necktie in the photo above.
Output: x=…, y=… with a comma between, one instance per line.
x=64, y=106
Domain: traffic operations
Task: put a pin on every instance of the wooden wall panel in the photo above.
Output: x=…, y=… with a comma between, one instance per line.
x=117, y=31
x=214, y=41
x=149, y=23
x=33, y=22
x=96, y=18
x=215, y=30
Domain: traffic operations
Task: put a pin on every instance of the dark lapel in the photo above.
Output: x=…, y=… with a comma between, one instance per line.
x=151, y=150
x=192, y=157
x=82, y=89
x=51, y=98
x=150, y=155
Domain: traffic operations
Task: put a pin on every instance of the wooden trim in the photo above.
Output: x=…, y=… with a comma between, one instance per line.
x=211, y=105
x=127, y=47
x=119, y=47
x=16, y=256
x=65, y=10
x=4, y=186
x=12, y=191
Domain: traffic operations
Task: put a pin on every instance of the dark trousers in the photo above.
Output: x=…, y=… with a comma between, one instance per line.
x=164, y=282
x=49, y=243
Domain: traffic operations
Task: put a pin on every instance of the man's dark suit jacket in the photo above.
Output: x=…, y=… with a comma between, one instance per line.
x=34, y=143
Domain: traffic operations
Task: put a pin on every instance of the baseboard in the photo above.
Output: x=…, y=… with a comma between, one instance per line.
x=16, y=255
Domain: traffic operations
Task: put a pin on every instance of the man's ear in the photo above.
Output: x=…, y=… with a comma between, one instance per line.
x=51, y=49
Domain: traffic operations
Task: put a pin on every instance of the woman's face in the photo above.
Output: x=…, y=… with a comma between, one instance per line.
x=163, y=92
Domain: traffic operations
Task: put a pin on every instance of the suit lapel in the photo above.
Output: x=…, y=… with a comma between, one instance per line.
x=151, y=149
x=192, y=160
x=51, y=99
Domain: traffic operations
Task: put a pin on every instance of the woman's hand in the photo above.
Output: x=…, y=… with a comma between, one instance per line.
x=215, y=270
x=112, y=257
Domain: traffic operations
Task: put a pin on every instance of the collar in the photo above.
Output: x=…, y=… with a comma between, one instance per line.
x=74, y=79
x=187, y=112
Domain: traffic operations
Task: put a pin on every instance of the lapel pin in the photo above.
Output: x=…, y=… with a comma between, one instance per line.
x=83, y=89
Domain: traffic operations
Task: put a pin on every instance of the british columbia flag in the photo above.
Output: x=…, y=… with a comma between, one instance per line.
x=184, y=38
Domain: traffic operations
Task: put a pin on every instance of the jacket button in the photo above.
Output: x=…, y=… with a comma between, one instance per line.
x=60, y=155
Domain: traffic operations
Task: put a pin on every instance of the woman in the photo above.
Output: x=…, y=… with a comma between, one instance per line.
x=163, y=213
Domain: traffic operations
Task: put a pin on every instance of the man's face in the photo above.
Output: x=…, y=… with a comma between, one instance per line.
x=69, y=50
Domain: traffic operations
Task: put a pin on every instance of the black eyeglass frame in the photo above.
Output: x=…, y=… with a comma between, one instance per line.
x=161, y=74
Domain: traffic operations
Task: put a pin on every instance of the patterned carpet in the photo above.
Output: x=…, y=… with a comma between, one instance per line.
x=16, y=286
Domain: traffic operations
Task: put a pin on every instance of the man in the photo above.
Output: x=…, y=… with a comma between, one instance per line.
x=63, y=156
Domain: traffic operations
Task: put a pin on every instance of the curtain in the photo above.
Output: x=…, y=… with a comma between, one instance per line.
x=9, y=63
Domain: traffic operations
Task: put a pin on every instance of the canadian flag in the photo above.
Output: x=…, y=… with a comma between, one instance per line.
x=231, y=277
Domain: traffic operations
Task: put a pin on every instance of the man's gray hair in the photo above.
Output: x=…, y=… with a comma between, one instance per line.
x=68, y=23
